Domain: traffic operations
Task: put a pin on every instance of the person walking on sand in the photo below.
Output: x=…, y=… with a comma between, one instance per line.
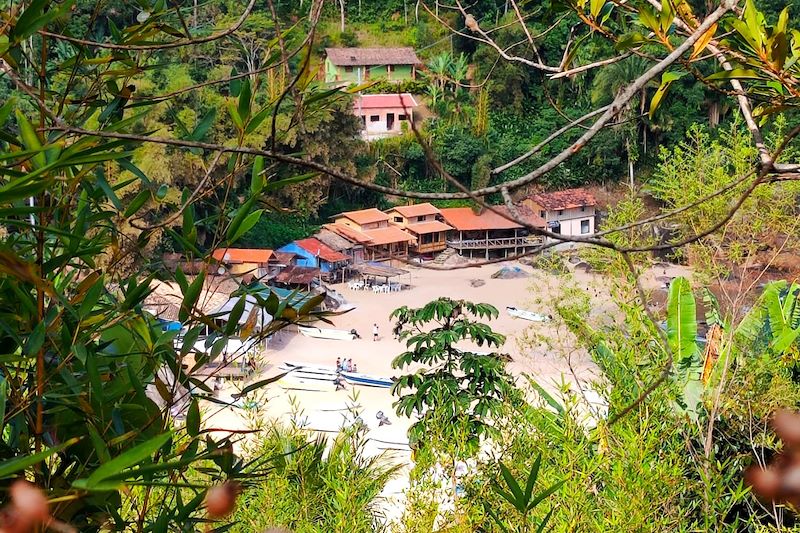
x=338, y=364
x=374, y=332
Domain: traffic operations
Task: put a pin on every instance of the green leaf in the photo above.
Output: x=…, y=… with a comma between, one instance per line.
x=190, y=296
x=514, y=487
x=3, y=397
x=127, y=459
x=666, y=79
x=30, y=139
x=245, y=97
x=243, y=226
x=259, y=384
x=193, y=419
x=204, y=125
x=235, y=116
x=6, y=110
x=257, y=176
x=534, y=474
x=681, y=319
x=138, y=201
x=12, y=467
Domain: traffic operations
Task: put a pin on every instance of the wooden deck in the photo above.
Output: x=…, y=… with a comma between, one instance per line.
x=495, y=244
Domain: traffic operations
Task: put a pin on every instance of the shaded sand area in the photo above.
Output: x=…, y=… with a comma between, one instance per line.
x=546, y=351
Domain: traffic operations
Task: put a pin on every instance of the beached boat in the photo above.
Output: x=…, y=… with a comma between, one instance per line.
x=308, y=367
x=328, y=373
x=355, y=378
x=326, y=333
x=308, y=373
x=527, y=315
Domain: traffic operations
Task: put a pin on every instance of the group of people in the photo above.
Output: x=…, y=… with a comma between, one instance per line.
x=346, y=365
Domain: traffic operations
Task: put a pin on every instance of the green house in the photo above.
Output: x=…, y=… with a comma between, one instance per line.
x=344, y=66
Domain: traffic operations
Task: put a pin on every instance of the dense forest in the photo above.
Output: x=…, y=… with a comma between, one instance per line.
x=133, y=129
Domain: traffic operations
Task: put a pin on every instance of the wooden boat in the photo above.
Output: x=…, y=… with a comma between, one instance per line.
x=527, y=315
x=355, y=378
x=326, y=333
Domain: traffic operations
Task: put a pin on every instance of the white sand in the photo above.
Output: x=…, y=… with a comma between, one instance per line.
x=537, y=349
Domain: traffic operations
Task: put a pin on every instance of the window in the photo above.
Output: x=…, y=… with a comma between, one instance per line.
x=374, y=118
x=583, y=208
x=389, y=68
x=542, y=214
x=421, y=219
x=348, y=69
x=560, y=212
x=585, y=226
x=402, y=117
x=398, y=219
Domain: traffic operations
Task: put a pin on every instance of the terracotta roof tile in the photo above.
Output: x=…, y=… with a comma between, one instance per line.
x=364, y=216
x=242, y=255
x=321, y=250
x=466, y=219
x=566, y=199
x=527, y=215
x=378, y=101
x=416, y=210
x=372, y=56
x=348, y=233
x=432, y=226
x=387, y=236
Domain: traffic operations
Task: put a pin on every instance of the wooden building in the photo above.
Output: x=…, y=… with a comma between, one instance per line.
x=371, y=228
x=486, y=234
x=421, y=221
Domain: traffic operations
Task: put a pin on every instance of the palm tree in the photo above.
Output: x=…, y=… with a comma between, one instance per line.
x=613, y=79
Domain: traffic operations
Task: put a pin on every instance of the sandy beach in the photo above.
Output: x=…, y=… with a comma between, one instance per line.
x=546, y=351
x=543, y=350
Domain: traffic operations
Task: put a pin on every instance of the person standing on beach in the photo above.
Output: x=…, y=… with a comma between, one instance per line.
x=338, y=364
x=374, y=332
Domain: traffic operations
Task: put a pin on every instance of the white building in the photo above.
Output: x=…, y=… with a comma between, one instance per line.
x=383, y=115
x=568, y=212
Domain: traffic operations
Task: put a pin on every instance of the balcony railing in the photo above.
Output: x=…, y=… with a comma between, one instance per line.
x=483, y=244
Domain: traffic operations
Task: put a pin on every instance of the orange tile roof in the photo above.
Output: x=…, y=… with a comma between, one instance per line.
x=527, y=215
x=321, y=250
x=348, y=233
x=416, y=210
x=364, y=216
x=242, y=255
x=566, y=199
x=432, y=226
x=466, y=219
x=387, y=236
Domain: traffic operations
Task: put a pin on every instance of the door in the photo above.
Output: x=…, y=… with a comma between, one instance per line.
x=390, y=121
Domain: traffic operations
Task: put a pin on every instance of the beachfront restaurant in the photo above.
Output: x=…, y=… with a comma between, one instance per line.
x=484, y=234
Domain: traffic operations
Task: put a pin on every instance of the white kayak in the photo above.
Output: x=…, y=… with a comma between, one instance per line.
x=326, y=333
x=527, y=315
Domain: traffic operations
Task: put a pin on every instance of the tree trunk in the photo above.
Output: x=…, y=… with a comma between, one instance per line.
x=341, y=10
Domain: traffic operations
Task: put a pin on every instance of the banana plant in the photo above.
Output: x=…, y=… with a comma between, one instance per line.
x=774, y=322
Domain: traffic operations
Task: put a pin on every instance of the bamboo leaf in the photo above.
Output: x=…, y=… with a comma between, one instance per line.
x=12, y=467
x=127, y=459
